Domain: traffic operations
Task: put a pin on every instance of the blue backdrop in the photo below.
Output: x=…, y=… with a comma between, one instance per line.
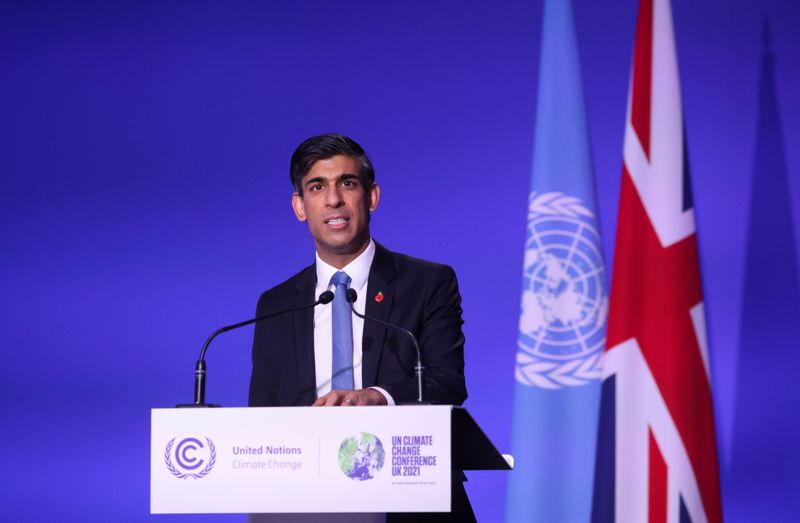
x=144, y=151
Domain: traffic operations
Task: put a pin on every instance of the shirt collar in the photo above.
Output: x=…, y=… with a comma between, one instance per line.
x=358, y=269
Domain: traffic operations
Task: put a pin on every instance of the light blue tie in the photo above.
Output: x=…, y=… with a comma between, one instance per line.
x=342, y=334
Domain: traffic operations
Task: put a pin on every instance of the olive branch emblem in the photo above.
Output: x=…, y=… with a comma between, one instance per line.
x=183, y=475
x=531, y=368
x=557, y=203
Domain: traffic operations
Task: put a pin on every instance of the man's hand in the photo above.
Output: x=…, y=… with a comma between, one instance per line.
x=350, y=398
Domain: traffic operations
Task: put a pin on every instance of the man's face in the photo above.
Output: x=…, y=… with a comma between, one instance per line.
x=336, y=207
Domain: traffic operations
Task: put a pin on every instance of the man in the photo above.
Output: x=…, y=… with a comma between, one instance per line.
x=322, y=357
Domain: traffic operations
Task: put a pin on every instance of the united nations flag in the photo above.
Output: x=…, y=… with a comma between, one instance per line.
x=562, y=323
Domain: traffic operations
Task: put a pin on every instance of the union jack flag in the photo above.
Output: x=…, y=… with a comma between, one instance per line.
x=656, y=455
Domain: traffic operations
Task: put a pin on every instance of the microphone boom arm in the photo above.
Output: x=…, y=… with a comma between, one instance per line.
x=419, y=369
x=200, y=367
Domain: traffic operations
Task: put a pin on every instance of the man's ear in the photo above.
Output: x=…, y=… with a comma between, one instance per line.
x=374, y=197
x=299, y=207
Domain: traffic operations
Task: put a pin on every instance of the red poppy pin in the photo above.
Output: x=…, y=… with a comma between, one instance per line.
x=379, y=297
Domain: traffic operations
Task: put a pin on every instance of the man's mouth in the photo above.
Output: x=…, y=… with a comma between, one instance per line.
x=337, y=220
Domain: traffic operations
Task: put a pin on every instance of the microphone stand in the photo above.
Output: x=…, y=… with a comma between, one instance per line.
x=200, y=367
x=419, y=369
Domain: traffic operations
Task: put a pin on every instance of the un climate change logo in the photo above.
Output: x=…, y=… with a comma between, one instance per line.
x=190, y=454
x=361, y=457
x=564, y=299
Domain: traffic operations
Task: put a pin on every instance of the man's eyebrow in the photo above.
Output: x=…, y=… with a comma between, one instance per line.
x=318, y=179
x=321, y=179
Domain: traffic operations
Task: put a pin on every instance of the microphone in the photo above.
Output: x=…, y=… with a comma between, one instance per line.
x=419, y=369
x=200, y=368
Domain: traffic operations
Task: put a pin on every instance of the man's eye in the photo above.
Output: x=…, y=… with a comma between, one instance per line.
x=316, y=187
x=348, y=183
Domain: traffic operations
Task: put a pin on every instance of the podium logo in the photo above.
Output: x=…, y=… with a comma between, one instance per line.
x=189, y=456
x=361, y=457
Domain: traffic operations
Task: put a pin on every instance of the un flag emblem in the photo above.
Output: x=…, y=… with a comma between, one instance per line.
x=562, y=325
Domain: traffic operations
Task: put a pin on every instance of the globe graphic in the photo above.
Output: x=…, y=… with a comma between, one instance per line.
x=360, y=457
x=564, y=303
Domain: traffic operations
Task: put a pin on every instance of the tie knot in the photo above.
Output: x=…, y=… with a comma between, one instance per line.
x=340, y=279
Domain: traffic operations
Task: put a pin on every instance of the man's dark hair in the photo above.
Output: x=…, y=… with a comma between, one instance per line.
x=326, y=146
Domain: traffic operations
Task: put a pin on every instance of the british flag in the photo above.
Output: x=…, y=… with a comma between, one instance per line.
x=656, y=456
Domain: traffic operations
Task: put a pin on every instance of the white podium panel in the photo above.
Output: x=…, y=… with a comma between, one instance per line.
x=300, y=459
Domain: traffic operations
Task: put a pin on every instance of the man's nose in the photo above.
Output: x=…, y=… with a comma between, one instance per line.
x=333, y=197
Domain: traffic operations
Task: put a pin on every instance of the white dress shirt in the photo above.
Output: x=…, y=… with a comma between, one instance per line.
x=358, y=270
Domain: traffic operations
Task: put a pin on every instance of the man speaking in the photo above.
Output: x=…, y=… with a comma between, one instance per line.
x=327, y=356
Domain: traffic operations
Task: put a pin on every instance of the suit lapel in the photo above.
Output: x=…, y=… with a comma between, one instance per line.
x=379, y=301
x=304, y=337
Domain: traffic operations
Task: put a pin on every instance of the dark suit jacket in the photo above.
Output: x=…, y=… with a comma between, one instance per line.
x=418, y=295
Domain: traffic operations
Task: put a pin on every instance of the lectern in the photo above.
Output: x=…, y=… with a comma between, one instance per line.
x=300, y=459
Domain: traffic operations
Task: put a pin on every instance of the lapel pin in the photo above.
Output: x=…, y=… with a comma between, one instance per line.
x=379, y=297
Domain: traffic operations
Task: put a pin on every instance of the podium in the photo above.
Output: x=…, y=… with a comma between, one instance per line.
x=324, y=460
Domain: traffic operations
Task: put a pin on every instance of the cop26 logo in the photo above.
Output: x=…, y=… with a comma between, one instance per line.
x=562, y=325
x=361, y=457
x=190, y=454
